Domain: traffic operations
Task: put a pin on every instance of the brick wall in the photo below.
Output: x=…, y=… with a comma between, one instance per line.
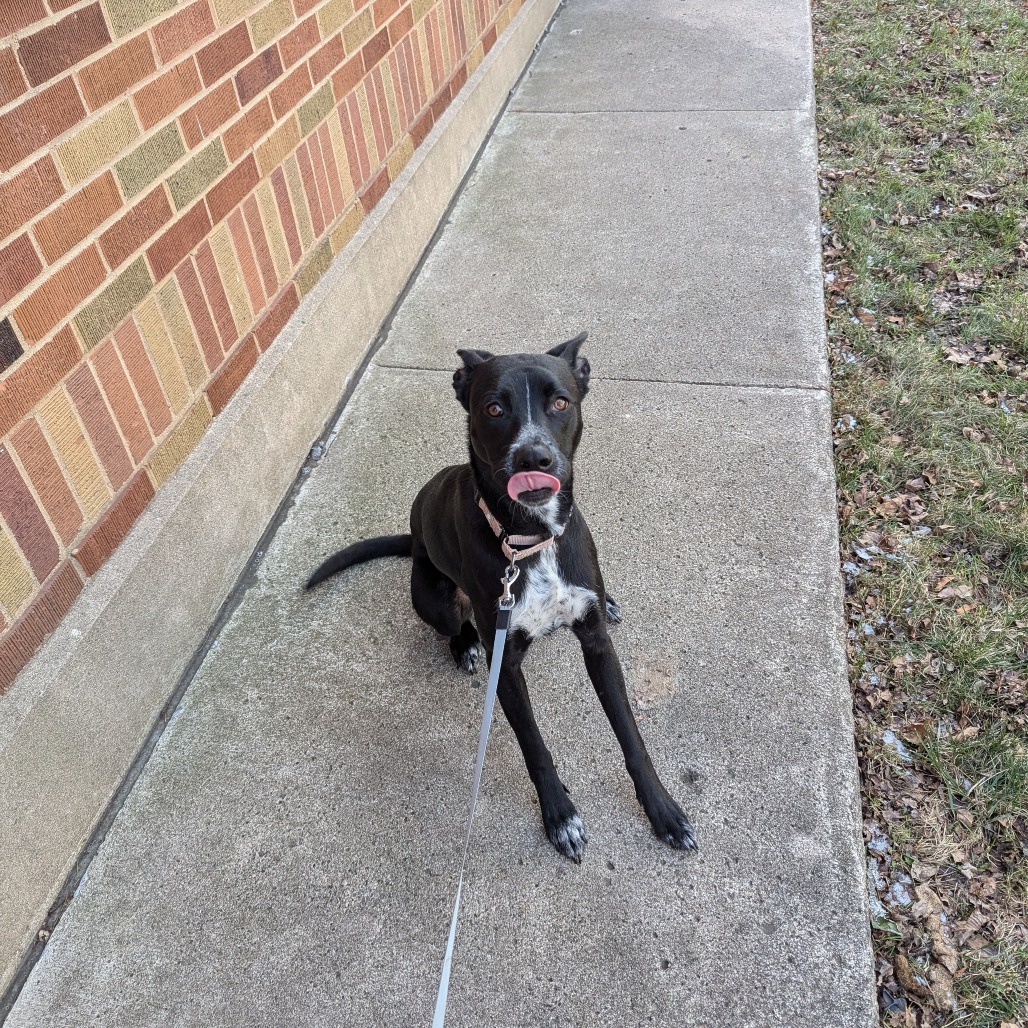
x=174, y=176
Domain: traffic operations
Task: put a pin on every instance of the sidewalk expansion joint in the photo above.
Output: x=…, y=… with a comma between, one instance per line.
x=782, y=387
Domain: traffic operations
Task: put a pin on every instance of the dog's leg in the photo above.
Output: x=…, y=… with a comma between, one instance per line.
x=560, y=818
x=669, y=821
x=440, y=604
x=613, y=610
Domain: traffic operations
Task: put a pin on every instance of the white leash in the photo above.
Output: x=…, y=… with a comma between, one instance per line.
x=506, y=604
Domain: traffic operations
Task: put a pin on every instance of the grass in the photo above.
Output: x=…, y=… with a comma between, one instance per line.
x=922, y=115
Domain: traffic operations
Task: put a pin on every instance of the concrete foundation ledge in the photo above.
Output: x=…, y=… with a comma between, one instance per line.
x=74, y=723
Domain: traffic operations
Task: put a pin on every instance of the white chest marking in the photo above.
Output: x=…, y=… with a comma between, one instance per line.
x=545, y=601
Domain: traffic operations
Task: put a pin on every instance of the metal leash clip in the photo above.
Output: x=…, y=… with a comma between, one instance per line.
x=510, y=576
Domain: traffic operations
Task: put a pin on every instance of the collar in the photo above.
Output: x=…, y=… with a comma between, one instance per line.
x=534, y=543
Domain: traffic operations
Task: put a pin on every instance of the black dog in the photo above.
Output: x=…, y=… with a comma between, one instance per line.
x=524, y=424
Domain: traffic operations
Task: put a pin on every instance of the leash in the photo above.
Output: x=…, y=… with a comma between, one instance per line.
x=506, y=605
x=533, y=544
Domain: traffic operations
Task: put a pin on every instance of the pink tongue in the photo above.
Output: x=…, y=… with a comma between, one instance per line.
x=528, y=481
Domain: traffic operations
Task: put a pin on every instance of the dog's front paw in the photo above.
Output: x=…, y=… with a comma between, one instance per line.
x=568, y=836
x=671, y=824
x=613, y=611
x=469, y=657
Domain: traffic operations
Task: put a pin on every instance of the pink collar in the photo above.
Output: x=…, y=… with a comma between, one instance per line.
x=534, y=543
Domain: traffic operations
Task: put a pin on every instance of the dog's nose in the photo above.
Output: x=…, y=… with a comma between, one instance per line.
x=533, y=457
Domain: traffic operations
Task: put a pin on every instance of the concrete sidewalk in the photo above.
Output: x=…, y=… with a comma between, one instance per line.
x=289, y=854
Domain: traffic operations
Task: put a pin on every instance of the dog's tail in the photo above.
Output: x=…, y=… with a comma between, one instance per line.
x=358, y=553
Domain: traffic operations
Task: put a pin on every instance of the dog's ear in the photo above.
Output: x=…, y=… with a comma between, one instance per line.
x=579, y=365
x=462, y=376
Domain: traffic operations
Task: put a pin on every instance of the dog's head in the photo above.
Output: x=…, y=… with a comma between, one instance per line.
x=524, y=417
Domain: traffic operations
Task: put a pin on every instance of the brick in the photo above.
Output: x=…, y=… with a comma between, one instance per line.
x=48, y=52
x=181, y=334
x=303, y=7
x=197, y=174
x=115, y=73
x=290, y=91
x=228, y=11
x=62, y=425
x=399, y=157
x=345, y=80
x=41, y=370
x=489, y=39
x=200, y=315
x=327, y=58
x=167, y=93
x=376, y=48
x=89, y=402
x=247, y=261
x=209, y=113
x=265, y=262
x=285, y=211
x=358, y=30
x=10, y=345
x=267, y=329
x=182, y=441
x=179, y=240
x=253, y=78
x=102, y=315
x=384, y=10
x=12, y=81
x=321, y=180
x=421, y=128
x=328, y=157
x=79, y=215
x=40, y=464
x=37, y=121
x=126, y=15
x=299, y=41
x=319, y=217
x=310, y=274
x=137, y=227
x=231, y=376
x=265, y=197
x=149, y=160
x=19, y=265
x=46, y=612
x=143, y=375
x=315, y=110
x=165, y=358
x=419, y=8
x=245, y=131
x=217, y=298
x=375, y=191
x=185, y=28
x=231, y=276
x=274, y=150
x=18, y=14
x=335, y=150
x=400, y=26
x=270, y=21
x=226, y=52
x=103, y=539
x=296, y=194
x=17, y=583
x=229, y=192
x=25, y=520
x=333, y=15
x=127, y=412
x=59, y=295
x=347, y=227
x=98, y=144
x=24, y=195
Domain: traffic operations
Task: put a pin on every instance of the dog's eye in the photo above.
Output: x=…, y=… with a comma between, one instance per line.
x=494, y=410
x=561, y=403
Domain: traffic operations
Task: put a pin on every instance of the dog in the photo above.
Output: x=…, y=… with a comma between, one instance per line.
x=524, y=426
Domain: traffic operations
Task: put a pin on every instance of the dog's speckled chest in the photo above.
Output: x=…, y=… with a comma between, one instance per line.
x=545, y=601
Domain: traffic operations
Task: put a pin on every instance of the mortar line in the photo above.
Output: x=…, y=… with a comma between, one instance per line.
x=642, y=381
x=247, y=577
